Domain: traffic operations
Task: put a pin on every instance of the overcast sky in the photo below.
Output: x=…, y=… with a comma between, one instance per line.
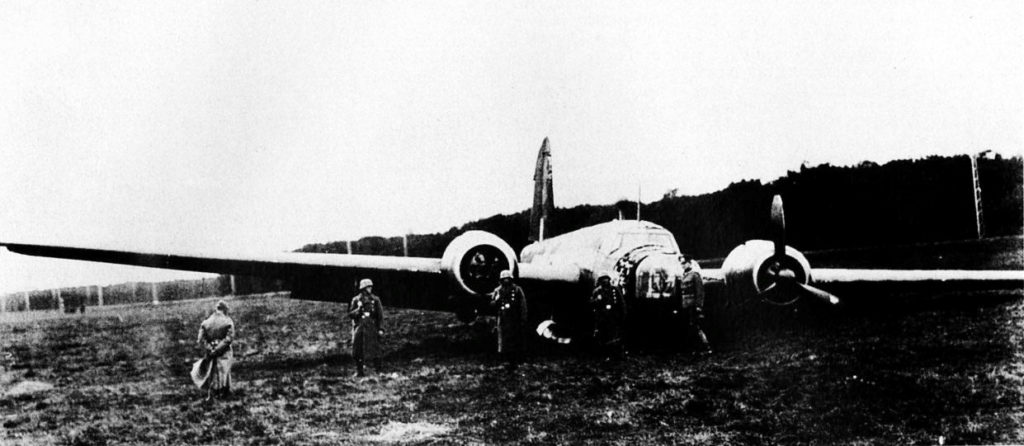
x=269, y=125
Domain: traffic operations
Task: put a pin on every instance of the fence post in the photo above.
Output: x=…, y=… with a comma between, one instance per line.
x=152, y=287
x=60, y=301
x=3, y=303
x=28, y=302
x=233, y=289
x=99, y=295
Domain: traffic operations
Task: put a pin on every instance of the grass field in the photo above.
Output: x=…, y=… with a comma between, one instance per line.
x=119, y=375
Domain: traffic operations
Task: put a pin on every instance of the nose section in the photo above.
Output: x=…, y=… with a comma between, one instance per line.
x=658, y=276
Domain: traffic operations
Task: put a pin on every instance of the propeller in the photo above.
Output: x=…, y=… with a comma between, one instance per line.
x=481, y=267
x=786, y=288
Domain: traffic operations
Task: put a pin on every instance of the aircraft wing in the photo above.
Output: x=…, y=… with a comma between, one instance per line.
x=314, y=276
x=275, y=264
x=407, y=282
x=713, y=274
x=859, y=281
x=916, y=280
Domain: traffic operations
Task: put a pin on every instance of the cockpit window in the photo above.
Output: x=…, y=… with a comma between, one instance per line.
x=633, y=239
x=630, y=240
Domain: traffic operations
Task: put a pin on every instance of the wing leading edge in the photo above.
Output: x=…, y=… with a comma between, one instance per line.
x=275, y=264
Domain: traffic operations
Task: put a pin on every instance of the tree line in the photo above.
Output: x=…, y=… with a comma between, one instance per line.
x=827, y=207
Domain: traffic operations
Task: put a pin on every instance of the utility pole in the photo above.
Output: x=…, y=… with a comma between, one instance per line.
x=979, y=217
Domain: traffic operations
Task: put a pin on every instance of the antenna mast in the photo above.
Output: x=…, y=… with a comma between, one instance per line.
x=638, y=202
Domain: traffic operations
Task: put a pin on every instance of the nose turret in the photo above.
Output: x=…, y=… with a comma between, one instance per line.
x=657, y=277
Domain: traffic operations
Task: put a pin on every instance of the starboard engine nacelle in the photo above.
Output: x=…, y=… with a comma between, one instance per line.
x=752, y=268
x=473, y=261
x=771, y=270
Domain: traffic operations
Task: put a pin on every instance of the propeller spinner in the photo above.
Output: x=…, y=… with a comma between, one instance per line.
x=786, y=278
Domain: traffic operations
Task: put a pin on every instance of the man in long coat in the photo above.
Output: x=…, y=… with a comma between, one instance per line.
x=510, y=301
x=367, y=316
x=213, y=372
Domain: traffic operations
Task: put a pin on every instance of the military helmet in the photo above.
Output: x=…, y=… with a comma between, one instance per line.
x=604, y=275
x=365, y=283
x=505, y=274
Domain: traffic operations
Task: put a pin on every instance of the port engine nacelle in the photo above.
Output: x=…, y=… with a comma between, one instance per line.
x=473, y=261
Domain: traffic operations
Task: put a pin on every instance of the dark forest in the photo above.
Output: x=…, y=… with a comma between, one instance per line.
x=827, y=207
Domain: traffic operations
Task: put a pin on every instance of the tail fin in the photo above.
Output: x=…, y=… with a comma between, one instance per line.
x=543, y=198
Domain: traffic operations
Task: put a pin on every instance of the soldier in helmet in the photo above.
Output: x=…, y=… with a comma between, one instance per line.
x=509, y=300
x=367, y=316
x=608, y=311
x=691, y=289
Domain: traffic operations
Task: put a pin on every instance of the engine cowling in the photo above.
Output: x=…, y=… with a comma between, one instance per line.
x=473, y=261
x=752, y=268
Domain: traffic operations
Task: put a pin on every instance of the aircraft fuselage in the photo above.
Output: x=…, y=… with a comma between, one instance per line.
x=640, y=256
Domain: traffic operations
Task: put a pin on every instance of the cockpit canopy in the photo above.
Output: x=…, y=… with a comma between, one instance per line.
x=607, y=240
x=628, y=240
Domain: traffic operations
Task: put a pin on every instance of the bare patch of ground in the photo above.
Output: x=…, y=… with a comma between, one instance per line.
x=905, y=377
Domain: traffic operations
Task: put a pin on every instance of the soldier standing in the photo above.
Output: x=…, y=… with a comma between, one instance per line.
x=367, y=316
x=609, y=313
x=692, y=291
x=510, y=302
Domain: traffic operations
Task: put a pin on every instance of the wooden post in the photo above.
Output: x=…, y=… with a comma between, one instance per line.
x=405, y=245
x=233, y=289
x=60, y=301
x=348, y=246
x=156, y=299
x=99, y=295
x=3, y=303
x=88, y=291
x=28, y=302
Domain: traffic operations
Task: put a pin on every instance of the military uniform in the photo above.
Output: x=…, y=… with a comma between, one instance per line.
x=213, y=372
x=367, y=316
x=691, y=289
x=608, y=310
x=510, y=302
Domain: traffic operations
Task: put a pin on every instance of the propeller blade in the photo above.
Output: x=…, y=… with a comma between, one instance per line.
x=779, y=294
x=549, y=330
x=818, y=293
x=778, y=226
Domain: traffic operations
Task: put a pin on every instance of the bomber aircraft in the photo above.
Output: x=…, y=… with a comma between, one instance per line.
x=556, y=272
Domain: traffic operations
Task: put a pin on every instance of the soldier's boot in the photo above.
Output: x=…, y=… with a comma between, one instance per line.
x=703, y=347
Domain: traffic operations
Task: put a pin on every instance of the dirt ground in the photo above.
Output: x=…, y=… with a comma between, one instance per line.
x=120, y=375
